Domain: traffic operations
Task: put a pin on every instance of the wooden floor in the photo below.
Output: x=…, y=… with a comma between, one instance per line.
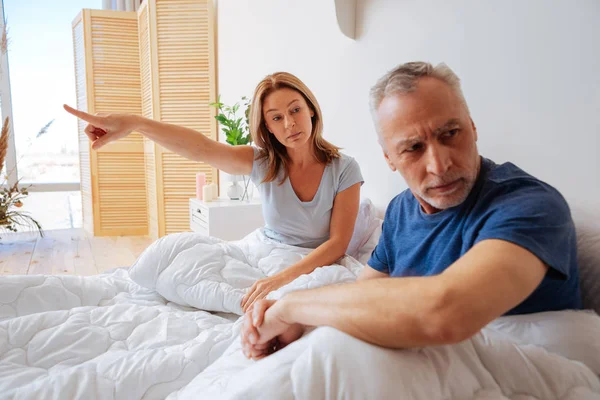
x=67, y=251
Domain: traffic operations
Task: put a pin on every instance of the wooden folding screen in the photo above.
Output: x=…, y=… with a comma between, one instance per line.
x=107, y=72
x=177, y=58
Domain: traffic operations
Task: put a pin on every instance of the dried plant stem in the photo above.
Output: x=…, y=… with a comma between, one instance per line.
x=4, y=39
x=4, y=142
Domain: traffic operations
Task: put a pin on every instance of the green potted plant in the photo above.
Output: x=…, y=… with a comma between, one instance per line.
x=237, y=133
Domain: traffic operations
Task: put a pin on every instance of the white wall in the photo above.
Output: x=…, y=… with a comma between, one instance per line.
x=530, y=71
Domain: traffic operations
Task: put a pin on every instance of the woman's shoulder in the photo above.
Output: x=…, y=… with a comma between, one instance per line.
x=259, y=165
x=343, y=162
x=258, y=152
x=261, y=157
x=343, y=159
x=346, y=171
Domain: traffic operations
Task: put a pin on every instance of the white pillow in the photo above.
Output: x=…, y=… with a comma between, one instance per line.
x=587, y=224
x=364, y=253
x=366, y=224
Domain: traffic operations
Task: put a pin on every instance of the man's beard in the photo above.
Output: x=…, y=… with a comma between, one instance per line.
x=451, y=199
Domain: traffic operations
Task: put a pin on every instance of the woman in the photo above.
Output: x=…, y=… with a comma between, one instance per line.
x=310, y=191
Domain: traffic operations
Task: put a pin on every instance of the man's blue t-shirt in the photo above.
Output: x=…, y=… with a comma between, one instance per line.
x=505, y=203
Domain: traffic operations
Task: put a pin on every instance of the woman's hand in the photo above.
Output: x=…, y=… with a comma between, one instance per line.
x=103, y=129
x=262, y=288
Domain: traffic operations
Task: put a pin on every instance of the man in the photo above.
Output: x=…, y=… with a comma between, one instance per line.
x=469, y=241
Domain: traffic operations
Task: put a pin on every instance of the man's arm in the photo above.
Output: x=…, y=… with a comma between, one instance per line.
x=370, y=273
x=490, y=279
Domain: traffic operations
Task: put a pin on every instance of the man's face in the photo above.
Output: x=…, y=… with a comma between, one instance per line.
x=430, y=139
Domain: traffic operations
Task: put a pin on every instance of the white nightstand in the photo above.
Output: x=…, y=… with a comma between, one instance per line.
x=225, y=219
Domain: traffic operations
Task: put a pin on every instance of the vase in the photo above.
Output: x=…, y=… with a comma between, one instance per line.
x=248, y=188
x=235, y=191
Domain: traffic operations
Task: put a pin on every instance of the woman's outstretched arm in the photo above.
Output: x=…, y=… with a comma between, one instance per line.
x=191, y=144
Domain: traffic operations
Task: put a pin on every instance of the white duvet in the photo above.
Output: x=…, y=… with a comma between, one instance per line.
x=169, y=328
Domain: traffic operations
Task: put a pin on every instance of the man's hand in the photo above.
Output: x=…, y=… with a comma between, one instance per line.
x=262, y=288
x=249, y=336
x=265, y=331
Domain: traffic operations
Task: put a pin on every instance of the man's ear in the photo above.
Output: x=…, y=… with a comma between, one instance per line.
x=474, y=128
x=389, y=162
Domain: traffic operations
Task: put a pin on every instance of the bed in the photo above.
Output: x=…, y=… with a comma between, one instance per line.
x=168, y=327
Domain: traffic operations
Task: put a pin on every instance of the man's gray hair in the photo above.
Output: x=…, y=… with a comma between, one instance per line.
x=403, y=79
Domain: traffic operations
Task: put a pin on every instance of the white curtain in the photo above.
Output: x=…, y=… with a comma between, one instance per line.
x=121, y=5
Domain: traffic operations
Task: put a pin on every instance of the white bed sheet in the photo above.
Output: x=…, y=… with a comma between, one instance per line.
x=168, y=327
x=138, y=333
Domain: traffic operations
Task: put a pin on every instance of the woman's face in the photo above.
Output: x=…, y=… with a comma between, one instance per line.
x=288, y=117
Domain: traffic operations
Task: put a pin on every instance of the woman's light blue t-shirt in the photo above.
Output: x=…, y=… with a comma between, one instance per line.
x=302, y=223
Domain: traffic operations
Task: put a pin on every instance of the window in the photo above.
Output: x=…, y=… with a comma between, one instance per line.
x=37, y=78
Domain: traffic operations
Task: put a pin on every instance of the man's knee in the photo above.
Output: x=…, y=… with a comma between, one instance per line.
x=336, y=363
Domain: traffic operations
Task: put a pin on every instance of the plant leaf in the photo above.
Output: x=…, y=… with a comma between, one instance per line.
x=221, y=118
x=44, y=129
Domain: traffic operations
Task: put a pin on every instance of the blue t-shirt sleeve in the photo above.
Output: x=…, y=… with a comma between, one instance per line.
x=379, y=259
x=382, y=257
x=349, y=175
x=536, y=218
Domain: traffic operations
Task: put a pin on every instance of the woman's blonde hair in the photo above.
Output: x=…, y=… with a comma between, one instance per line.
x=274, y=153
